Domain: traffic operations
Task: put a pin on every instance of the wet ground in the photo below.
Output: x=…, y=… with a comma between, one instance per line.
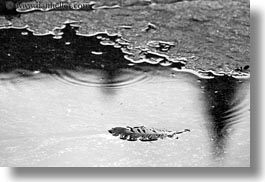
x=206, y=34
x=61, y=91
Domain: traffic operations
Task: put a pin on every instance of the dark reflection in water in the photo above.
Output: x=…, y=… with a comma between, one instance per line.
x=224, y=108
x=66, y=50
x=61, y=55
x=21, y=50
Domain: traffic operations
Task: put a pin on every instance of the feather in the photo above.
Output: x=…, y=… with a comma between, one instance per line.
x=143, y=133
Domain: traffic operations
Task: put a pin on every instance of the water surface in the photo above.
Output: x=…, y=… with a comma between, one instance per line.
x=61, y=93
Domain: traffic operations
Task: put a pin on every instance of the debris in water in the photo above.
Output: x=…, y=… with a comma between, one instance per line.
x=143, y=133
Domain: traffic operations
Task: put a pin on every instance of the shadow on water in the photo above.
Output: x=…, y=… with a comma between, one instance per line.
x=65, y=52
x=224, y=108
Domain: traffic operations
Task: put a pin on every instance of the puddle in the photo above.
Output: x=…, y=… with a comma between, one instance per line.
x=59, y=96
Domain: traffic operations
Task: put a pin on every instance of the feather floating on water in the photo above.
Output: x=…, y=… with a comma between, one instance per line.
x=143, y=133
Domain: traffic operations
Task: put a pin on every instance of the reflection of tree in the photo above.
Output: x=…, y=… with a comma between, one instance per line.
x=220, y=94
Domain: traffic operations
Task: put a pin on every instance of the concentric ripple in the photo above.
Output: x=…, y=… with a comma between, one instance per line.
x=95, y=78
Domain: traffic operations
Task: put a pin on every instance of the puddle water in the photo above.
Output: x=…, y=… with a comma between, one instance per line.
x=59, y=98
